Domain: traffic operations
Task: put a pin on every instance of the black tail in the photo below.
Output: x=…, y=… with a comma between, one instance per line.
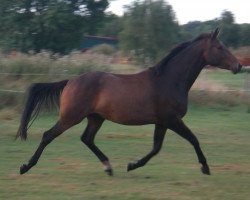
x=39, y=94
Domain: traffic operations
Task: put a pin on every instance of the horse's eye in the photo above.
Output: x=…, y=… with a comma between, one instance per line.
x=219, y=48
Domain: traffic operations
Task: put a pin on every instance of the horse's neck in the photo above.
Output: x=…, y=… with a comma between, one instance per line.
x=186, y=67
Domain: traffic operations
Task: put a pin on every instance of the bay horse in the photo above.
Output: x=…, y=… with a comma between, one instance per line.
x=157, y=95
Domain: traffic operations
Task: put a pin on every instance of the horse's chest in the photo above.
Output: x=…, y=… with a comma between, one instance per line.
x=172, y=106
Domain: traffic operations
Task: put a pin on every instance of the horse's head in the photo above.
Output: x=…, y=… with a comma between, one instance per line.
x=216, y=54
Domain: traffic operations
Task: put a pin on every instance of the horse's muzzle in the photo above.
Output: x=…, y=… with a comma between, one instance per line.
x=237, y=69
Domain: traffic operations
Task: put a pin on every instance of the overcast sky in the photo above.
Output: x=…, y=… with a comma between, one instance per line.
x=202, y=10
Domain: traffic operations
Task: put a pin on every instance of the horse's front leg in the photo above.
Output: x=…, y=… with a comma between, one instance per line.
x=178, y=126
x=159, y=134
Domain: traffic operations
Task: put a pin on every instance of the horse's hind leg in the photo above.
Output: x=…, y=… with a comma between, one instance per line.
x=94, y=124
x=48, y=137
x=159, y=134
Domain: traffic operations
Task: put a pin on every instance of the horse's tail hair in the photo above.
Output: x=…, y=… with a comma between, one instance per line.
x=39, y=94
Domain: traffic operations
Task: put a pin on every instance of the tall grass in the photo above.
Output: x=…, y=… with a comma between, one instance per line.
x=47, y=63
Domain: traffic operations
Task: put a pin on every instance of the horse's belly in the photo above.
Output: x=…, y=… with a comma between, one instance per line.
x=132, y=119
x=127, y=112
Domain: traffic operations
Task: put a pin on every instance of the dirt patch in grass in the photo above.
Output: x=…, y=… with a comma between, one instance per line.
x=14, y=176
x=237, y=168
x=126, y=136
x=70, y=167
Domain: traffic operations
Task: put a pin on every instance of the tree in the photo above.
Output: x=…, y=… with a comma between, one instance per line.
x=55, y=25
x=229, y=30
x=57, y=29
x=150, y=29
x=245, y=35
x=112, y=26
x=194, y=28
x=95, y=14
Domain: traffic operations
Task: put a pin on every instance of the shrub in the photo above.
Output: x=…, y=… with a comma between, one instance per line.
x=104, y=49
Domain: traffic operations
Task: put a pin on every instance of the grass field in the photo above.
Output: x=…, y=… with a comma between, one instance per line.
x=68, y=170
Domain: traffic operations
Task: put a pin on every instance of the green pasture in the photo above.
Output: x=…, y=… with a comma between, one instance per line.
x=68, y=170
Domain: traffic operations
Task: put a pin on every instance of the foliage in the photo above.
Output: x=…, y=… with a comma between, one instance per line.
x=245, y=35
x=103, y=49
x=230, y=31
x=147, y=31
x=55, y=25
x=112, y=26
x=194, y=28
x=232, y=34
x=150, y=29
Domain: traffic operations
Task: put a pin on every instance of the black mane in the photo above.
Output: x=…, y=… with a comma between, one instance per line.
x=159, y=67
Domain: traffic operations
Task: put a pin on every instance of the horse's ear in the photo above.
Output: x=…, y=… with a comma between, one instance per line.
x=215, y=33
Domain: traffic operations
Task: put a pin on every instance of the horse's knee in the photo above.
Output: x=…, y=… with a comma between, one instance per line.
x=86, y=140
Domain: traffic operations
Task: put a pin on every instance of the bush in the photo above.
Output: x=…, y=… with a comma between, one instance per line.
x=104, y=49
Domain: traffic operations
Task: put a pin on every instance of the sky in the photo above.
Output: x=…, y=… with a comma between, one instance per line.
x=201, y=10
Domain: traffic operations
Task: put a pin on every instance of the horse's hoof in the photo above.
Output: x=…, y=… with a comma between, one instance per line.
x=131, y=166
x=109, y=172
x=205, y=170
x=23, y=169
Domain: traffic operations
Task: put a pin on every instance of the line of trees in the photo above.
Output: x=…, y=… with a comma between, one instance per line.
x=148, y=28
x=232, y=34
x=55, y=25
